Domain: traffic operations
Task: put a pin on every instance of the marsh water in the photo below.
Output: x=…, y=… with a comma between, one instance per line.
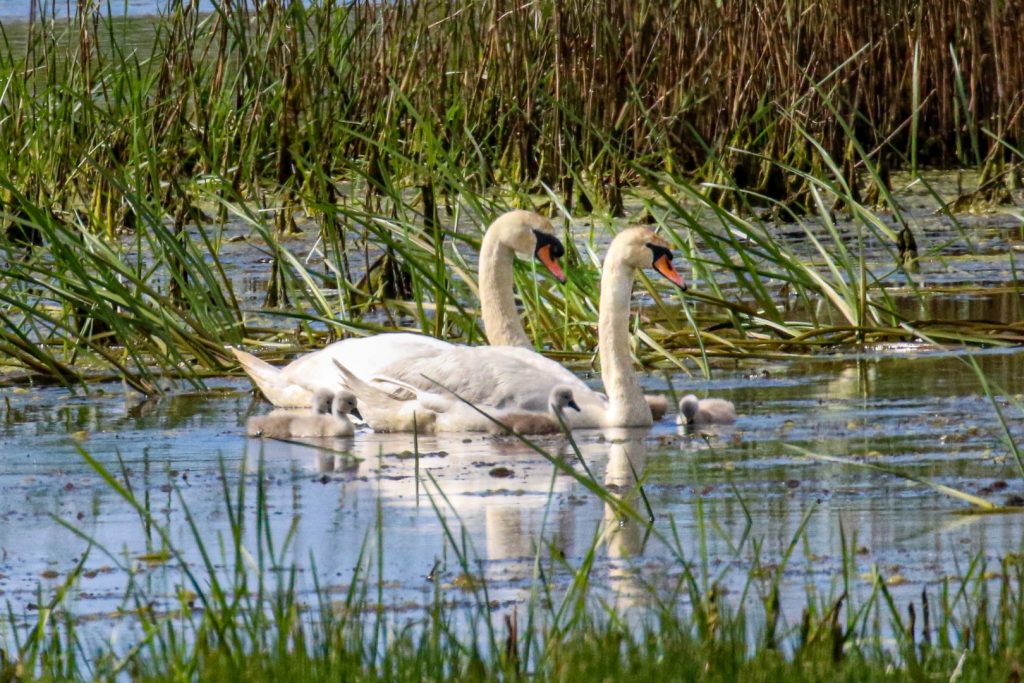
x=734, y=497
x=729, y=503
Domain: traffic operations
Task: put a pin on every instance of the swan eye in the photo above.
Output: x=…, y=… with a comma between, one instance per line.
x=548, y=250
x=544, y=239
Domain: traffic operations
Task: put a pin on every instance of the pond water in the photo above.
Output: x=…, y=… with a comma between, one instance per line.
x=920, y=412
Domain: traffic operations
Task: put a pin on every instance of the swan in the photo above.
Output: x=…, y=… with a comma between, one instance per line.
x=515, y=232
x=704, y=411
x=328, y=418
x=502, y=379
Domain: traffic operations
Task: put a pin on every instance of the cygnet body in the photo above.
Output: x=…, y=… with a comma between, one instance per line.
x=705, y=411
x=275, y=424
x=328, y=418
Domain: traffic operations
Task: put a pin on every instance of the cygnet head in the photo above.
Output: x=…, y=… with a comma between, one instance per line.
x=641, y=248
x=688, y=407
x=344, y=403
x=321, y=401
x=562, y=398
x=531, y=236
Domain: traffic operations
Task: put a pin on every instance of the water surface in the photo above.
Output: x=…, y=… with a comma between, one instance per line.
x=921, y=412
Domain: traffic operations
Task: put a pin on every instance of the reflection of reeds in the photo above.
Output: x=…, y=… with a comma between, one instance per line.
x=994, y=393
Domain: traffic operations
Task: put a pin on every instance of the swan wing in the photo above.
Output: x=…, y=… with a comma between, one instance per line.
x=362, y=356
x=294, y=384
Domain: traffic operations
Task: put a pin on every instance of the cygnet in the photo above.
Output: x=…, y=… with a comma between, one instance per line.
x=705, y=411
x=328, y=418
x=561, y=397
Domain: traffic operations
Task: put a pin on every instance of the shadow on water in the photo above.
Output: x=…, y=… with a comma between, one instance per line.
x=734, y=498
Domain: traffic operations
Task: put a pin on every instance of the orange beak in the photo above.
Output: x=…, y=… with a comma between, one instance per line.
x=663, y=264
x=545, y=257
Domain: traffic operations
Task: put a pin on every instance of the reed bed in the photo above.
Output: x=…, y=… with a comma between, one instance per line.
x=395, y=131
x=294, y=96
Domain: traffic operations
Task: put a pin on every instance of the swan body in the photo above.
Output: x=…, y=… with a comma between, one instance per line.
x=516, y=232
x=500, y=380
x=705, y=411
x=294, y=384
x=328, y=418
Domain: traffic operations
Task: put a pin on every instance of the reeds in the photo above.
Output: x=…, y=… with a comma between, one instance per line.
x=295, y=96
x=386, y=128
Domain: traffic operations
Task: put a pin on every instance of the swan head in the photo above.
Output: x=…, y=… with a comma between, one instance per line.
x=531, y=236
x=641, y=247
x=688, y=406
x=561, y=398
x=344, y=403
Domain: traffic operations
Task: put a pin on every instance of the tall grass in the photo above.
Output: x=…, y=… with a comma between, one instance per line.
x=387, y=128
x=295, y=96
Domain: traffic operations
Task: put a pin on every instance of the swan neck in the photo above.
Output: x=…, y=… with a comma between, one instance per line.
x=502, y=324
x=626, y=404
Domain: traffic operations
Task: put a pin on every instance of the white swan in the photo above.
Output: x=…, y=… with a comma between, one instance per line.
x=704, y=411
x=515, y=232
x=328, y=418
x=503, y=379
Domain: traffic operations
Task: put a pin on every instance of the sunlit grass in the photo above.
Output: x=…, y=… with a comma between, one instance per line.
x=397, y=131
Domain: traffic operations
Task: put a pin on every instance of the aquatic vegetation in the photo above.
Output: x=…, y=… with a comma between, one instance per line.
x=414, y=94
x=360, y=149
x=283, y=176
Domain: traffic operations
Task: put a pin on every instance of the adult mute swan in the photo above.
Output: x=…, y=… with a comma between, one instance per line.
x=508, y=379
x=516, y=232
x=705, y=411
x=328, y=418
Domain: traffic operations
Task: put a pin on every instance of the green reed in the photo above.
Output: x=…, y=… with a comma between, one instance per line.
x=292, y=97
x=128, y=146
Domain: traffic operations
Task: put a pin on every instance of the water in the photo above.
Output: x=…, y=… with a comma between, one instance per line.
x=920, y=412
